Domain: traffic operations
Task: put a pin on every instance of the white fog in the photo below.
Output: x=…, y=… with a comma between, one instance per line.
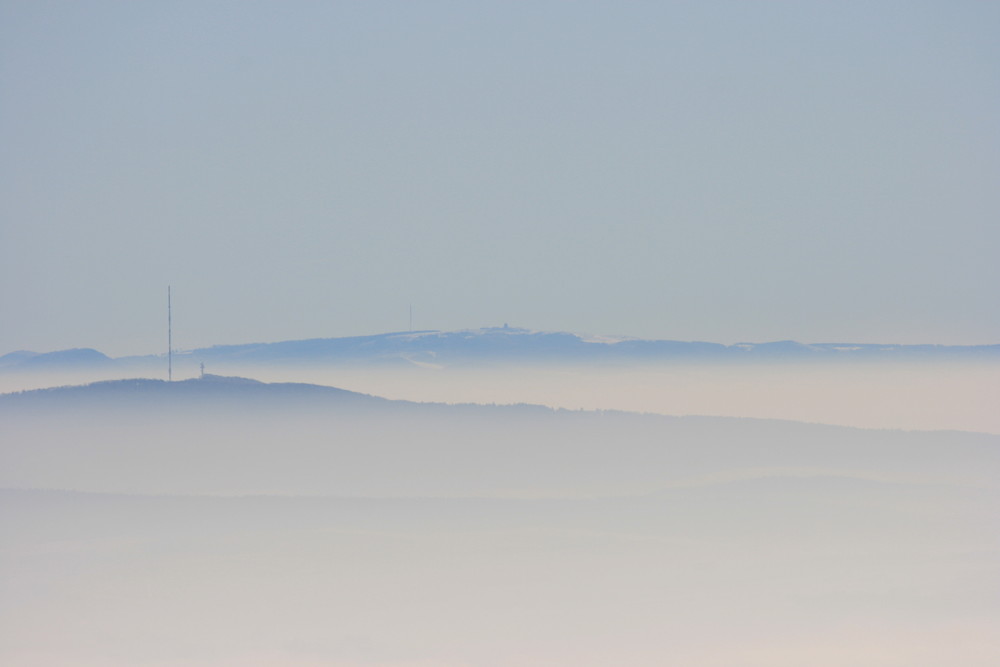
x=499, y=334
x=219, y=521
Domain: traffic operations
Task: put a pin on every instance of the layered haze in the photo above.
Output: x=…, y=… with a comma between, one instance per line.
x=224, y=521
x=871, y=386
x=746, y=415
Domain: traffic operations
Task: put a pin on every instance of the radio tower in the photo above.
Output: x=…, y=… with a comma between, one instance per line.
x=170, y=340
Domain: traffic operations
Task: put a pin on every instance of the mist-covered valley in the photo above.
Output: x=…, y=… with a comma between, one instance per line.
x=227, y=521
x=492, y=334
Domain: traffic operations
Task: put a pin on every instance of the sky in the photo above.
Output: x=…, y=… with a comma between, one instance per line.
x=721, y=171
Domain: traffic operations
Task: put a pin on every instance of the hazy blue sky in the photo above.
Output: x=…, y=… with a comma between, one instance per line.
x=821, y=171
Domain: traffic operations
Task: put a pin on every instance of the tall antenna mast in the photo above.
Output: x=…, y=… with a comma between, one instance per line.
x=170, y=340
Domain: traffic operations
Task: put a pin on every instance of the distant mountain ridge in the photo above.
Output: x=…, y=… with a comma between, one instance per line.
x=76, y=357
x=499, y=345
